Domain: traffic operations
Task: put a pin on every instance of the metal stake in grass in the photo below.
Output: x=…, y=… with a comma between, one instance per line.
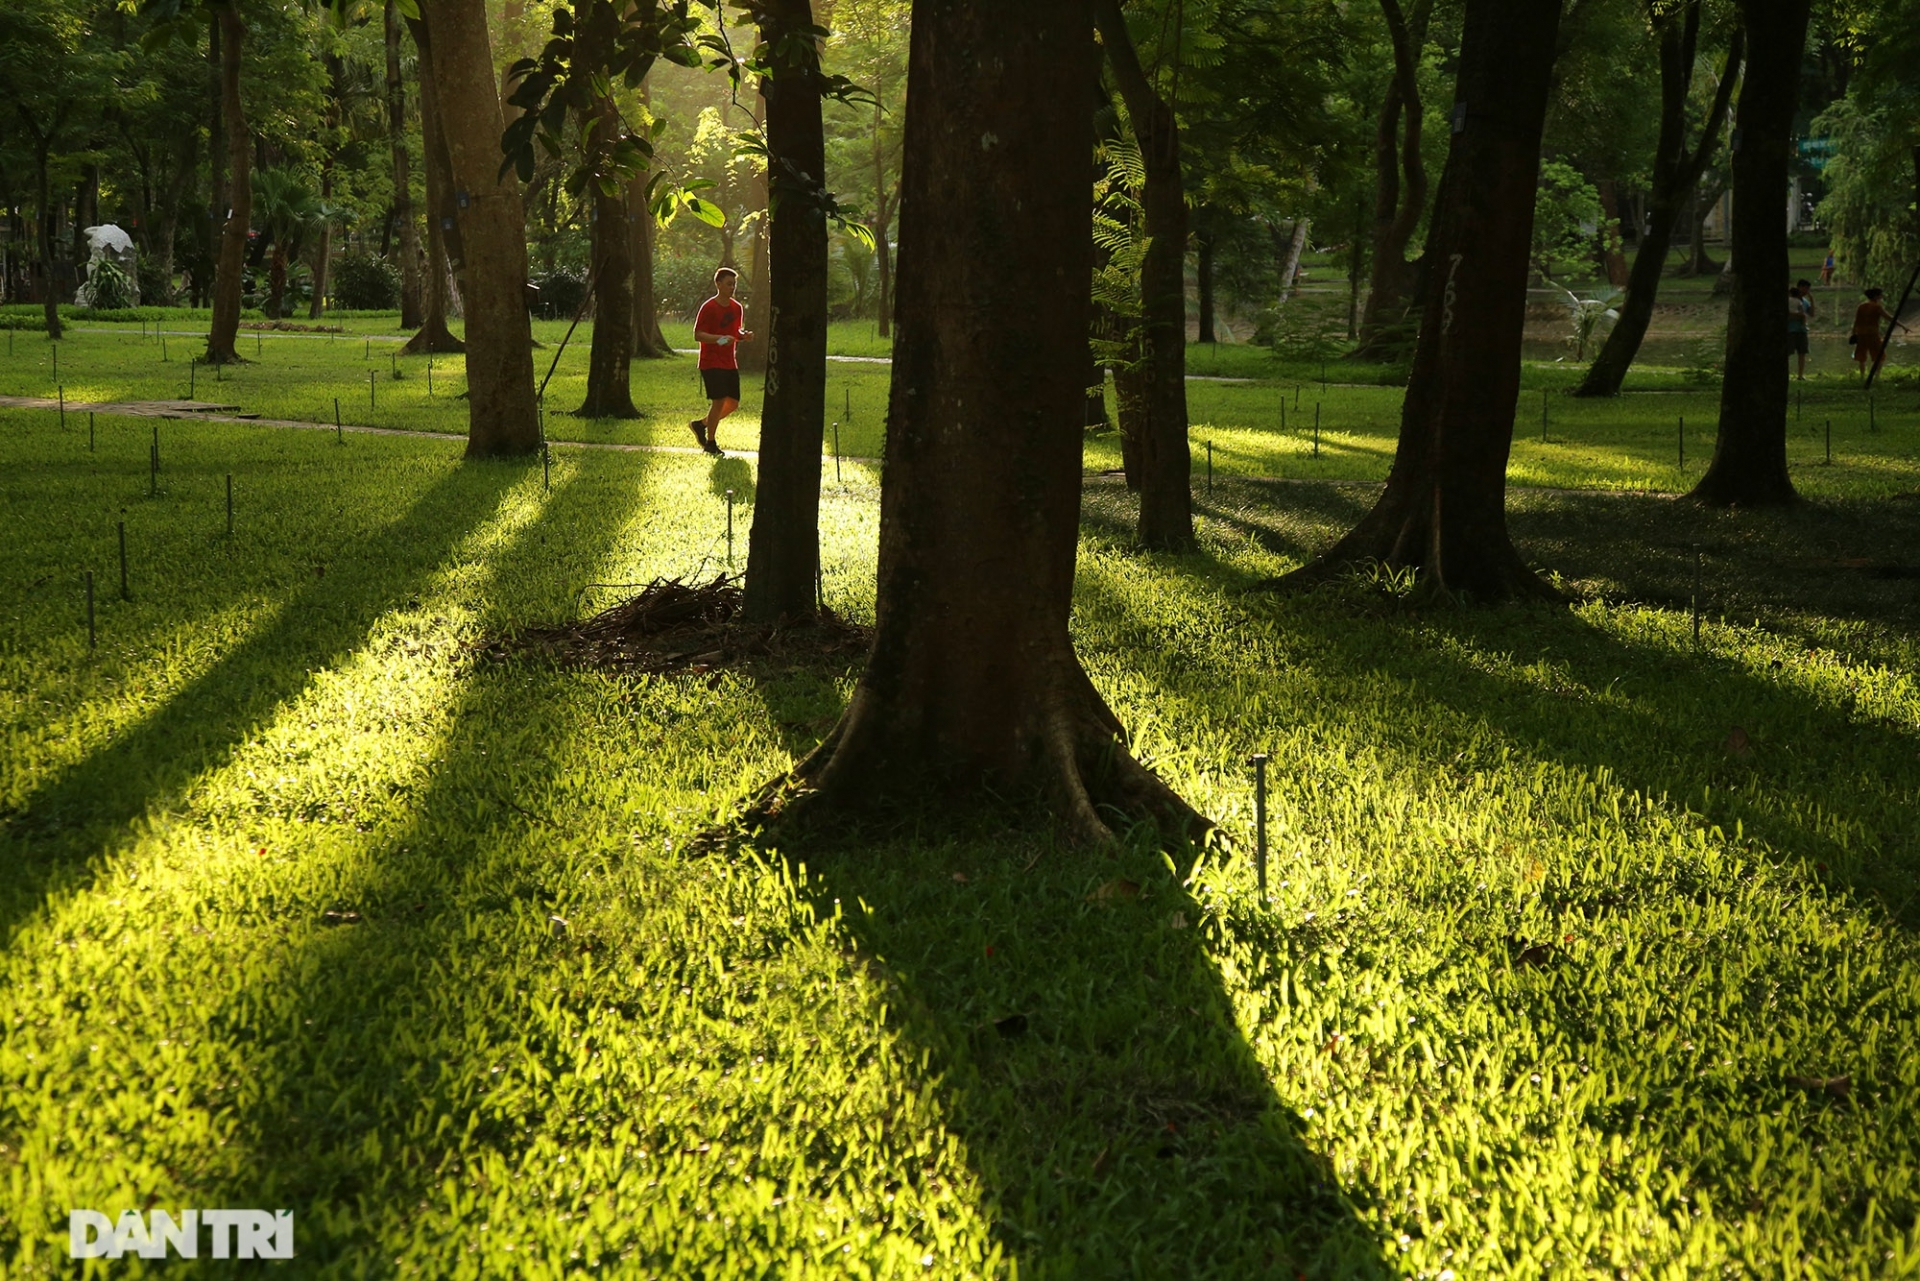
x=546, y=468
x=193, y=367
x=1683, y=442
x=729, y=529
x=56, y=362
x=1296, y=395
x=124, y=593
x=229, y=504
x=92, y=639
x=163, y=346
x=849, y=391
x=1283, y=415
x=370, y=400
x=256, y=344
x=368, y=355
x=63, y=409
x=1873, y=422
x=836, y=453
x=1316, y=429
x=429, y=373
x=1260, y=821
x=1209, y=467
x=1829, y=442
x=339, y=432
x=89, y=431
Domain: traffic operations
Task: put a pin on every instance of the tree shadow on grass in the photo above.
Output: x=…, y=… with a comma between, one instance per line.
x=1089, y=1059
x=53, y=838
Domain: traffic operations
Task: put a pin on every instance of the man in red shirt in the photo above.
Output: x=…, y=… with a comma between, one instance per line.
x=719, y=328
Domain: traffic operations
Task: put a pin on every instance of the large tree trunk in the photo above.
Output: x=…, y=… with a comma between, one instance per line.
x=1676, y=171
x=610, y=358
x=228, y=275
x=1609, y=257
x=1750, y=454
x=1444, y=508
x=410, y=314
x=502, y=418
x=443, y=223
x=1166, y=491
x=973, y=684
x=1396, y=209
x=783, y=552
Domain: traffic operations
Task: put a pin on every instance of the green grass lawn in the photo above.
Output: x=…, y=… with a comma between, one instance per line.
x=306, y=905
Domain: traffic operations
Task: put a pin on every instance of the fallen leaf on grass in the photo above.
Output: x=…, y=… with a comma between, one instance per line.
x=340, y=918
x=1178, y=921
x=1100, y=1162
x=1738, y=744
x=960, y=878
x=1119, y=887
x=1838, y=1086
x=1524, y=952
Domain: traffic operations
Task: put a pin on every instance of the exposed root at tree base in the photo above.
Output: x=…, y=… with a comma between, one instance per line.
x=676, y=626
x=1081, y=770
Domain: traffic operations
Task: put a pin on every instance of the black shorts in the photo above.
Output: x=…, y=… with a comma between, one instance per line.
x=721, y=384
x=1797, y=341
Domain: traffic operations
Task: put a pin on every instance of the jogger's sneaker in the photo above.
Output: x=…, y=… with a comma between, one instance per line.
x=713, y=448
x=699, y=429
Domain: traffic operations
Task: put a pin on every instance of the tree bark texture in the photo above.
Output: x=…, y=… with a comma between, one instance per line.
x=973, y=683
x=883, y=205
x=783, y=550
x=1290, y=262
x=323, y=251
x=1397, y=206
x=1166, y=479
x=502, y=419
x=1750, y=453
x=50, y=305
x=208, y=237
x=229, y=275
x=1676, y=172
x=1443, y=512
x=443, y=225
x=403, y=215
x=610, y=358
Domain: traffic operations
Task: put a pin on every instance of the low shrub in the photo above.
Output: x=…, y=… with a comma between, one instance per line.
x=365, y=282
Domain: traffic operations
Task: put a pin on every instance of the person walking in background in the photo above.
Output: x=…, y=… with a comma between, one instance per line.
x=1799, y=312
x=719, y=328
x=1826, y=269
x=1868, y=342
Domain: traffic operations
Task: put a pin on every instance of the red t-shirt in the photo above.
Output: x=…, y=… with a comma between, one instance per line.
x=718, y=317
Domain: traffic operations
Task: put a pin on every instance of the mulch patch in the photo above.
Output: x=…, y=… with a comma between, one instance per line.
x=676, y=626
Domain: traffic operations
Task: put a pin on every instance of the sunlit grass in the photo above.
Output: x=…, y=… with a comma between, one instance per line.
x=306, y=906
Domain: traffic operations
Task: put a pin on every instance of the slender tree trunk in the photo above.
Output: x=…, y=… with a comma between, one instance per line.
x=323, y=251
x=228, y=276
x=209, y=228
x=1290, y=265
x=783, y=552
x=403, y=217
x=973, y=686
x=50, y=306
x=443, y=223
x=1396, y=209
x=1166, y=496
x=609, y=361
x=276, y=282
x=1203, y=274
x=648, y=342
x=1610, y=259
x=753, y=357
x=1750, y=455
x=1698, y=263
x=1444, y=508
x=1676, y=171
x=882, y=214
x=502, y=418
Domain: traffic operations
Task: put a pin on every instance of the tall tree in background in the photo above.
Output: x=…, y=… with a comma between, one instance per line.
x=1676, y=171
x=444, y=247
x=609, y=395
x=648, y=342
x=230, y=270
x=783, y=551
x=1750, y=453
x=1443, y=512
x=502, y=419
x=1166, y=460
x=403, y=214
x=973, y=683
x=1400, y=191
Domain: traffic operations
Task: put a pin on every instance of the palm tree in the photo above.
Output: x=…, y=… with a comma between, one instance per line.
x=286, y=210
